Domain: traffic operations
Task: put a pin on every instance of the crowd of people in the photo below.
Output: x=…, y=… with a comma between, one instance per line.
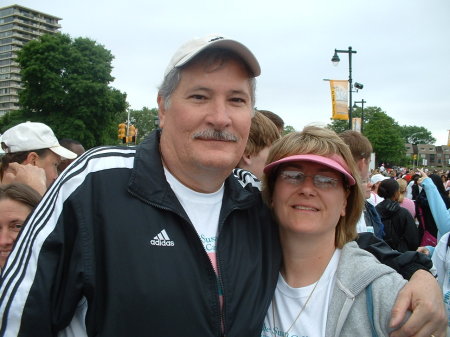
x=215, y=225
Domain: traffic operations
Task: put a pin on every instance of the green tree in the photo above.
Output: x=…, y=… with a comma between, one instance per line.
x=338, y=125
x=288, y=129
x=66, y=86
x=385, y=135
x=144, y=120
x=416, y=135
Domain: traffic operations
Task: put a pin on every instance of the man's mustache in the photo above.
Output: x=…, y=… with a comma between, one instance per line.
x=210, y=134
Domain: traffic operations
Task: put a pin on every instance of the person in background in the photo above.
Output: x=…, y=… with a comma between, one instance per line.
x=403, y=200
x=425, y=214
x=441, y=261
x=375, y=180
x=361, y=149
x=34, y=144
x=416, y=188
x=312, y=186
x=447, y=184
x=73, y=145
x=16, y=202
x=262, y=134
x=400, y=230
x=277, y=120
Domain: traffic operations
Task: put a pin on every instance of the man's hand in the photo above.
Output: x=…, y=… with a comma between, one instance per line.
x=28, y=174
x=423, y=250
x=423, y=296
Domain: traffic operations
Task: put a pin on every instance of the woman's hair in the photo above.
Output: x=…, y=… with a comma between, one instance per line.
x=21, y=193
x=19, y=157
x=402, y=183
x=322, y=142
x=388, y=188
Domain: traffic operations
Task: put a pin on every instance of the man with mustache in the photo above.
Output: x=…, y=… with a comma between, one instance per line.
x=157, y=240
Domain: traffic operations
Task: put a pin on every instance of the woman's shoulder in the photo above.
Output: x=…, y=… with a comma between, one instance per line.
x=354, y=258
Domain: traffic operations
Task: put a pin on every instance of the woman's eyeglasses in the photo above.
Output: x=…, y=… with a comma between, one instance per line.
x=320, y=181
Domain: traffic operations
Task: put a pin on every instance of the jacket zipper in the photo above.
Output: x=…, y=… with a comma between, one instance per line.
x=219, y=278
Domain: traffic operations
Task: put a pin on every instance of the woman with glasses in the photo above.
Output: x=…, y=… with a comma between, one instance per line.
x=327, y=286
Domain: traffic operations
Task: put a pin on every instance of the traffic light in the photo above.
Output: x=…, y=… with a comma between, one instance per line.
x=122, y=132
x=131, y=134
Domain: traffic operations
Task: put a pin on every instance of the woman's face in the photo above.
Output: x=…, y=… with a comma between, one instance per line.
x=310, y=206
x=12, y=217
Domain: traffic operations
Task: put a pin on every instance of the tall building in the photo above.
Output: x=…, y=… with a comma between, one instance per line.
x=18, y=25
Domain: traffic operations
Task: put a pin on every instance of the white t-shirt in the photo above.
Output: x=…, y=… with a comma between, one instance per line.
x=441, y=260
x=289, y=301
x=374, y=199
x=203, y=210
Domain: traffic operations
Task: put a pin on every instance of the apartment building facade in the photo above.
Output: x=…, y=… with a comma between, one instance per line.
x=429, y=155
x=18, y=25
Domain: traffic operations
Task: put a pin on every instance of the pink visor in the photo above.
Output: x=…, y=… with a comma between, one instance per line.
x=335, y=162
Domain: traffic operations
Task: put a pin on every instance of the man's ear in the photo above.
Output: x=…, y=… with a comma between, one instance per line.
x=246, y=159
x=31, y=158
x=161, y=110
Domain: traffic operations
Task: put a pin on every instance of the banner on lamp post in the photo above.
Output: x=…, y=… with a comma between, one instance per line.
x=356, y=124
x=339, y=99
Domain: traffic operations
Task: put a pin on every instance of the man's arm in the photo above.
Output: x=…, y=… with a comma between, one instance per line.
x=405, y=264
x=421, y=295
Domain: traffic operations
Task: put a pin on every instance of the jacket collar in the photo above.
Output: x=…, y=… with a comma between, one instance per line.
x=148, y=181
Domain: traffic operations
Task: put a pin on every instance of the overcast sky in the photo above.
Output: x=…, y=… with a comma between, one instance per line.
x=403, y=49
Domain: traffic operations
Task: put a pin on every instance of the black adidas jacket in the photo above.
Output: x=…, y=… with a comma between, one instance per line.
x=89, y=243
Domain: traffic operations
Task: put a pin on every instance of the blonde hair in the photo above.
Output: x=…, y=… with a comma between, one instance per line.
x=322, y=142
x=403, y=184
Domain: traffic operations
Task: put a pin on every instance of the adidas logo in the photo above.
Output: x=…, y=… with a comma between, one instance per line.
x=162, y=239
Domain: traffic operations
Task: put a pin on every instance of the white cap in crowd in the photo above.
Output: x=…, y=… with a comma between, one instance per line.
x=377, y=178
x=31, y=136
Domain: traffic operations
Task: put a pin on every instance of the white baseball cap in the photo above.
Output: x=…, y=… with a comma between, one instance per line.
x=377, y=178
x=193, y=47
x=31, y=136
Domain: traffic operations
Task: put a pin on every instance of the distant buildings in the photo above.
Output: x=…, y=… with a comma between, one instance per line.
x=429, y=155
x=18, y=25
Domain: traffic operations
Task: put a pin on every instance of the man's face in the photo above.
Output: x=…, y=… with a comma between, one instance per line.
x=49, y=163
x=206, y=126
x=363, y=165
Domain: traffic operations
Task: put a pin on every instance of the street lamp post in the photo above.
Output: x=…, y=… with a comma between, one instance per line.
x=362, y=112
x=335, y=59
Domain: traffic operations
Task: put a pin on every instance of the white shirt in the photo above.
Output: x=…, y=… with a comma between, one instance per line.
x=203, y=210
x=289, y=302
x=441, y=260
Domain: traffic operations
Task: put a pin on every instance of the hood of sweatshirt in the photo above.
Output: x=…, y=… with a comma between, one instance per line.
x=387, y=208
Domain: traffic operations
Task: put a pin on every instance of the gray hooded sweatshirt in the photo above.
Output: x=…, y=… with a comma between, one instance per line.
x=348, y=314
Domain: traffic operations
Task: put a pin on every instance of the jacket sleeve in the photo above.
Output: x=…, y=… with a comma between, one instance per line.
x=440, y=213
x=385, y=291
x=43, y=279
x=406, y=263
